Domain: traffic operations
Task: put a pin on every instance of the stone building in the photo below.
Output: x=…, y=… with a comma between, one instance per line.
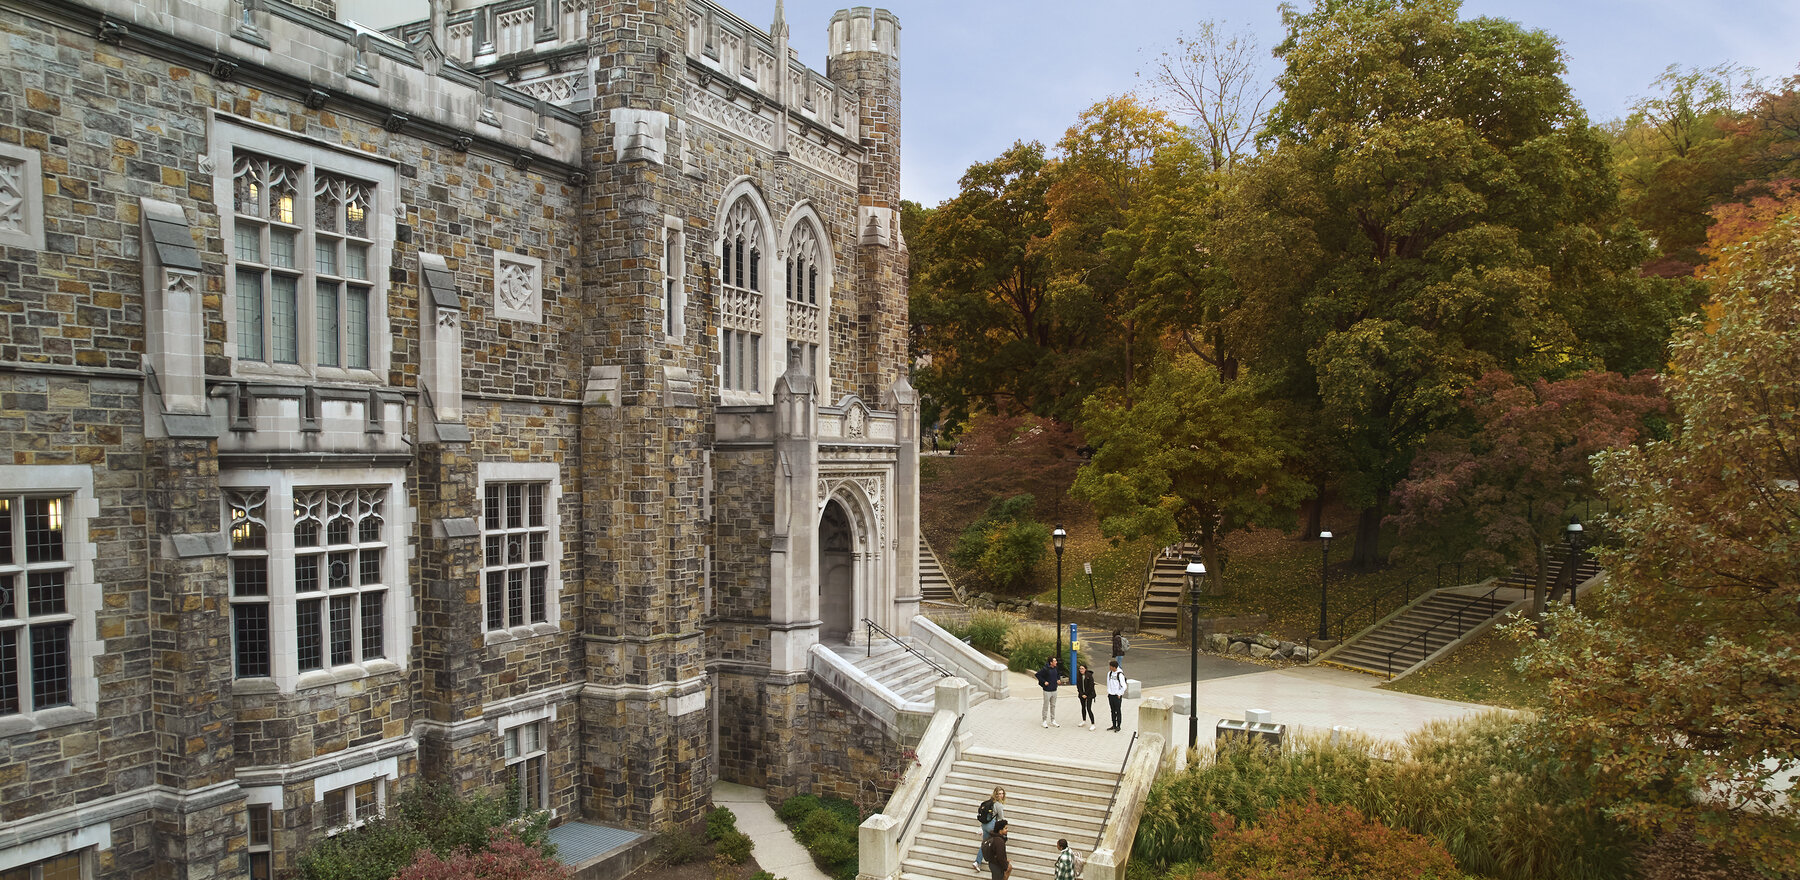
x=513, y=399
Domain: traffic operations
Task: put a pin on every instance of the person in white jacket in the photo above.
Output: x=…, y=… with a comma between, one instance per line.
x=1115, y=694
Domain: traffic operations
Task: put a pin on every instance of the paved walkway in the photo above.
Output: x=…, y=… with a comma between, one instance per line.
x=1304, y=698
x=776, y=849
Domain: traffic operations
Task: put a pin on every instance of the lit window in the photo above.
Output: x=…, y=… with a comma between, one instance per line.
x=312, y=575
x=36, y=616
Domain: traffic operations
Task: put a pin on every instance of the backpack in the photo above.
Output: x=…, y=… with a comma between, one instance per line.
x=985, y=813
x=1125, y=642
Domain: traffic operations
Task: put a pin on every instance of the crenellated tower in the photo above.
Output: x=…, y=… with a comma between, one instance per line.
x=865, y=58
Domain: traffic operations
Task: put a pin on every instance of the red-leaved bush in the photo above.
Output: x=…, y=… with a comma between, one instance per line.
x=506, y=858
x=1322, y=842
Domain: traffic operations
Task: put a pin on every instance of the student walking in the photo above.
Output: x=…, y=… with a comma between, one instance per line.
x=1065, y=861
x=1084, y=690
x=1118, y=646
x=1115, y=694
x=991, y=813
x=999, y=866
x=1047, y=678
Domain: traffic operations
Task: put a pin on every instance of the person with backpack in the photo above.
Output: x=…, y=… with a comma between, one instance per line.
x=1115, y=694
x=991, y=812
x=1119, y=645
x=1065, y=861
x=999, y=866
x=1048, y=678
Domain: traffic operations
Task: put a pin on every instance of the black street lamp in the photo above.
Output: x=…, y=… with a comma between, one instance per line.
x=1056, y=540
x=1573, y=535
x=1324, y=563
x=1196, y=578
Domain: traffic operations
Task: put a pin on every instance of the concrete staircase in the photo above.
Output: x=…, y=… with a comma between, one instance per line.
x=1044, y=801
x=1160, y=607
x=914, y=680
x=1586, y=568
x=1435, y=613
x=934, y=584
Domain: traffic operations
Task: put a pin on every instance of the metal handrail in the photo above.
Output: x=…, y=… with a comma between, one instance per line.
x=1439, y=576
x=1343, y=621
x=1115, y=792
x=1459, y=627
x=925, y=787
x=904, y=646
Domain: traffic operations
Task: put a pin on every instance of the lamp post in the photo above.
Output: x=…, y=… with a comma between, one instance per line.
x=1573, y=535
x=1324, y=564
x=1196, y=578
x=1056, y=540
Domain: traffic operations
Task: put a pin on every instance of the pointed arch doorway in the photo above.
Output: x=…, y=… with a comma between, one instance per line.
x=837, y=575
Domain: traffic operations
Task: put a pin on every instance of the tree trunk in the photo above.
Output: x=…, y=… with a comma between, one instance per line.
x=1367, y=554
x=1315, y=515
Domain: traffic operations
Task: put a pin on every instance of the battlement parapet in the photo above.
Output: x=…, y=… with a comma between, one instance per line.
x=865, y=29
x=288, y=48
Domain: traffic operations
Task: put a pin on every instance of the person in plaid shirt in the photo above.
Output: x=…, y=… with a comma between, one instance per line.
x=1065, y=861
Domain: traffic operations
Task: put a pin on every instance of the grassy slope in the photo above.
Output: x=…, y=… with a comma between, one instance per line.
x=1269, y=572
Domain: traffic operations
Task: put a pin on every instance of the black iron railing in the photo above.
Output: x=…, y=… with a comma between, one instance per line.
x=1460, y=629
x=925, y=787
x=875, y=628
x=1115, y=792
x=1373, y=608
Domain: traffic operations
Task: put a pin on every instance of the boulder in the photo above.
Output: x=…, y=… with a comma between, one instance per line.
x=1217, y=642
x=1285, y=648
x=1269, y=642
x=1261, y=651
x=1238, y=648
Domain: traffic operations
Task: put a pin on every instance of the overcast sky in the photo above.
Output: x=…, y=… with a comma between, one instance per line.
x=978, y=75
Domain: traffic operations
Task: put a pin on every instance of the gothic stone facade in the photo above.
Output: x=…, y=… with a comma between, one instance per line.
x=516, y=399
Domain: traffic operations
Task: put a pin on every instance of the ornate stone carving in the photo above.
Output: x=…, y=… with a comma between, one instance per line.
x=721, y=113
x=559, y=89
x=820, y=159
x=741, y=309
x=518, y=286
x=12, y=195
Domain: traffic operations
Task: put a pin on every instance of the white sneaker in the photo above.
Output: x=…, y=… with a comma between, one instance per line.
x=1045, y=724
x=1091, y=725
x=1054, y=724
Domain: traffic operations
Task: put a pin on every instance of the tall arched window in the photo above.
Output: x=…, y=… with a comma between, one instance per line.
x=804, y=316
x=740, y=300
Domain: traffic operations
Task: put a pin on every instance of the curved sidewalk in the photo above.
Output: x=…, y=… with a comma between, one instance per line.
x=776, y=850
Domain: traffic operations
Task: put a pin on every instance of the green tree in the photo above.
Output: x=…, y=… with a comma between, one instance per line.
x=1190, y=457
x=984, y=331
x=1678, y=699
x=1433, y=205
x=1004, y=546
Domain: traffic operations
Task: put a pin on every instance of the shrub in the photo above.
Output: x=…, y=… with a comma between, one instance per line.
x=505, y=858
x=828, y=830
x=763, y=875
x=425, y=816
x=1003, y=547
x=987, y=631
x=796, y=808
x=1176, y=825
x=1029, y=646
x=680, y=846
x=734, y=845
x=1501, y=806
x=718, y=822
x=1322, y=842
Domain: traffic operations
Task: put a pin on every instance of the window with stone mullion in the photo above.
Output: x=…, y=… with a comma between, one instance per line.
x=740, y=333
x=249, y=559
x=515, y=554
x=36, y=620
x=340, y=564
x=278, y=209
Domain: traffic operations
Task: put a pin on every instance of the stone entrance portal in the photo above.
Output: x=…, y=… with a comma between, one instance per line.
x=837, y=575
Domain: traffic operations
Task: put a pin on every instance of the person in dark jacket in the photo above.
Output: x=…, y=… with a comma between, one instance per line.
x=1084, y=689
x=1118, y=647
x=1048, y=678
x=995, y=849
